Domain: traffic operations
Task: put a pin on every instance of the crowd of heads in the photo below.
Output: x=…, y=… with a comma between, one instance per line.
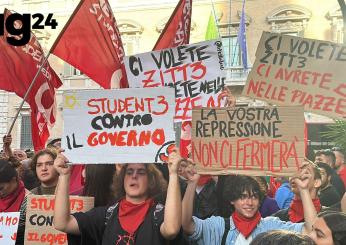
x=236, y=193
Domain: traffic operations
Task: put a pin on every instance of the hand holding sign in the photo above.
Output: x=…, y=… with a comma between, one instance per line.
x=61, y=166
x=174, y=160
x=229, y=98
x=191, y=173
x=304, y=177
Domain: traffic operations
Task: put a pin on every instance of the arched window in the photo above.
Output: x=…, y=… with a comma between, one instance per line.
x=289, y=19
x=337, y=24
x=131, y=33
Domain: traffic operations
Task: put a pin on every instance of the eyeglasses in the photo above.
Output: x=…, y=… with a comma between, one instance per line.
x=140, y=172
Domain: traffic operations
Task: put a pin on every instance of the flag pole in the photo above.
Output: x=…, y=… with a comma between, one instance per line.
x=229, y=33
x=41, y=66
x=27, y=93
x=215, y=18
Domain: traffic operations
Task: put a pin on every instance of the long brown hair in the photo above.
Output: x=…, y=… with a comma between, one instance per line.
x=157, y=185
x=98, y=183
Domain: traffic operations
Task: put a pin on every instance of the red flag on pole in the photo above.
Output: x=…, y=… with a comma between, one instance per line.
x=177, y=29
x=18, y=67
x=91, y=42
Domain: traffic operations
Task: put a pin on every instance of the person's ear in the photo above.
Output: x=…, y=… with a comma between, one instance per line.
x=317, y=183
x=14, y=180
x=329, y=178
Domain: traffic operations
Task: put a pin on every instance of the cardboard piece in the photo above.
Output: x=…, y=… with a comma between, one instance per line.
x=257, y=141
x=299, y=71
x=196, y=72
x=8, y=227
x=39, y=227
x=118, y=126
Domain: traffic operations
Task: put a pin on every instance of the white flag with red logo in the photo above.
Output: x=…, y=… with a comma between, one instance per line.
x=18, y=67
x=91, y=42
x=177, y=29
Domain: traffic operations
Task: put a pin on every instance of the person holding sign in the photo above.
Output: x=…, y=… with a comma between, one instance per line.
x=246, y=222
x=137, y=217
x=13, y=195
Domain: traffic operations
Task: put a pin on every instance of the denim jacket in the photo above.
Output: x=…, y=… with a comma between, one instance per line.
x=210, y=231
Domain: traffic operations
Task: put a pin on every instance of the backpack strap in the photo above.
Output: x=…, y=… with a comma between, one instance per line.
x=158, y=208
x=110, y=211
x=227, y=227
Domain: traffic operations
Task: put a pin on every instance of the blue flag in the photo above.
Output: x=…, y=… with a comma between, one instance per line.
x=242, y=37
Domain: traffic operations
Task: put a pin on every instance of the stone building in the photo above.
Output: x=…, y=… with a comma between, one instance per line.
x=140, y=23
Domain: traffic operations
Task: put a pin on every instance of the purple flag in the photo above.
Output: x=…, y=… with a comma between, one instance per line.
x=242, y=37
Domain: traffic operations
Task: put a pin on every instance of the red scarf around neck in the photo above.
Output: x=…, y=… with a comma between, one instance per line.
x=13, y=201
x=131, y=215
x=296, y=210
x=244, y=225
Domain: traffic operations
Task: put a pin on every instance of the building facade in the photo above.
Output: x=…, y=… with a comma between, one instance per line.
x=140, y=23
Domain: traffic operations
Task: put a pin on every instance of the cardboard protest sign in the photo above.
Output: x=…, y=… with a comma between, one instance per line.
x=248, y=140
x=8, y=227
x=118, y=126
x=196, y=71
x=39, y=227
x=298, y=71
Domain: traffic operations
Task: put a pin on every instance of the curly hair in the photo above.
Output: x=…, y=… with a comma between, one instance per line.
x=278, y=237
x=157, y=185
x=46, y=151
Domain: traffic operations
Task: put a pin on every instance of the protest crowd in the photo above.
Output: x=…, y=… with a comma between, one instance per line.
x=235, y=175
x=155, y=203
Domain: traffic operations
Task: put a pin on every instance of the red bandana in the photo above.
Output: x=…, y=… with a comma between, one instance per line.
x=131, y=216
x=13, y=201
x=244, y=225
x=296, y=210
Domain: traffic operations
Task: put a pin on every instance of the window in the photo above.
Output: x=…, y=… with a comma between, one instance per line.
x=232, y=51
x=25, y=132
x=337, y=24
x=71, y=71
x=289, y=19
x=229, y=33
x=130, y=35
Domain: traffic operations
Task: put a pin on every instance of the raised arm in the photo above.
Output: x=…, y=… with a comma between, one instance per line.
x=192, y=180
x=63, y=220
x=172, y=217
x=7, y=140
x=310, y=213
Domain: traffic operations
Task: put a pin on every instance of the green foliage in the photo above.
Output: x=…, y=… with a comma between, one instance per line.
x=337, y=133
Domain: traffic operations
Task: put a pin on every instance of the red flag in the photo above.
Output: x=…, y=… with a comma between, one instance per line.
x=18, y=67
x=177, y=29
x=91, y=42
